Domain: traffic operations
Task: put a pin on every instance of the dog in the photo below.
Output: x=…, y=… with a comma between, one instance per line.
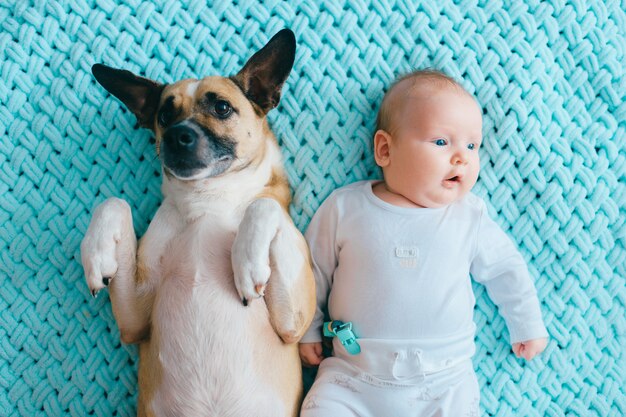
x=220, y=289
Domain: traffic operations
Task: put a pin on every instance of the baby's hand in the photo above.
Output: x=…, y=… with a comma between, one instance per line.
x=311, y=353
x=530, y=348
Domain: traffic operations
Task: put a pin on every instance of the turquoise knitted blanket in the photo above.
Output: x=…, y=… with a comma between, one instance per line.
x=550, y=77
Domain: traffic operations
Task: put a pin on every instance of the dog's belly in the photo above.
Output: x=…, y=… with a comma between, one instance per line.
x=215, y=356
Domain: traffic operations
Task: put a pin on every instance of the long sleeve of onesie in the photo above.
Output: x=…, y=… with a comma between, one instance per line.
x=321, y=238
x=500, y=267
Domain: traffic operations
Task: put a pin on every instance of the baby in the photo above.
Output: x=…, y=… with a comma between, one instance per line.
x=393, y=259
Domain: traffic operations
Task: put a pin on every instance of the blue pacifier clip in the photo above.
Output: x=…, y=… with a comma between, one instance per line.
x=343, y=331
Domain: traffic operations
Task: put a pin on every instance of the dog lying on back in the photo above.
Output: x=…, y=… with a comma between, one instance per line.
x=219, y=290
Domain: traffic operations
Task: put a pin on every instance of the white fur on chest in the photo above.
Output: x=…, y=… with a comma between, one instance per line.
x=201, y=331
x=215, y=204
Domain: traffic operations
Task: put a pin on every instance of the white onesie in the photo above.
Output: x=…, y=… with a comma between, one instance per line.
x=402, y=277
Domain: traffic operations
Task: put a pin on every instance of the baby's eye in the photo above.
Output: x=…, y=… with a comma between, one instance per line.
x=471, y=146
x=440, y=142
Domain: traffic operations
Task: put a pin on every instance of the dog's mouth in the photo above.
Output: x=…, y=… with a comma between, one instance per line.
x=185, y=171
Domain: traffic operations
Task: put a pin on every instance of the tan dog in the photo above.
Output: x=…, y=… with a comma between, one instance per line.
x=221, y=238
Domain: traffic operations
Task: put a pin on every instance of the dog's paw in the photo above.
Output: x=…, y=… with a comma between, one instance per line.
x=251, y=249
x=98, y=249
x=251, y=278
x=98, y=258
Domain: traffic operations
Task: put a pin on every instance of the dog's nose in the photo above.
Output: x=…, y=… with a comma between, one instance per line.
x=182, y=136
x=185, y=139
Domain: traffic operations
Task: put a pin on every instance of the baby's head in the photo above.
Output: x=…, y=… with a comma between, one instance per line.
x=427, y=136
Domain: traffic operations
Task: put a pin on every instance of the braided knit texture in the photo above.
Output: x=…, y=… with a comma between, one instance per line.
x=550, y=77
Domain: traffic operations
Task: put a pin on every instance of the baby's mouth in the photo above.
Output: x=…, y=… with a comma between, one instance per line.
x=453, y=180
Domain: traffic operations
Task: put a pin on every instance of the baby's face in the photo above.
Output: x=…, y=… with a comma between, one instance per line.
x=433, y=151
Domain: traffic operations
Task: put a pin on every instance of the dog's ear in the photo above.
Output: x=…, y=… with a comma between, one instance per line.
x=264, y=74
x=140, y=95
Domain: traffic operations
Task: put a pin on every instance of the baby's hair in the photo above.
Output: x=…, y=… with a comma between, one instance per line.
x=433, y=76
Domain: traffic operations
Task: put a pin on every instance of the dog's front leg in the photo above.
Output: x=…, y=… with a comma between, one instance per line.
x=108, y=254
x=270, y=258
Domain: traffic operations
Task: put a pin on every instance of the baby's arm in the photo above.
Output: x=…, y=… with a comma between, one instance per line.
x=311, y=353
x=530, y=348
x=500, y=267
x=320, y=237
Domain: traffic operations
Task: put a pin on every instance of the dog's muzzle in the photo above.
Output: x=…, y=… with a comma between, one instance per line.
x=190, y=151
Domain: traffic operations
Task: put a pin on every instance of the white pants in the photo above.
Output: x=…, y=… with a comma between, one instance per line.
x=345, y=387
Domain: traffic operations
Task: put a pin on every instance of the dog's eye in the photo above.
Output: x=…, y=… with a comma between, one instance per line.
x=167, y=113
x=223, y=108
x=165, y=118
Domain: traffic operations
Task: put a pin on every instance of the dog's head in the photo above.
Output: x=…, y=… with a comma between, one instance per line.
x=207, y=127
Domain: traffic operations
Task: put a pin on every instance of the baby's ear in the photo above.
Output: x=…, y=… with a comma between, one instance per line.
x=382, y=141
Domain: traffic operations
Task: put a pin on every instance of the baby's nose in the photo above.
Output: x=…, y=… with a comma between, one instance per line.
x=459, y=158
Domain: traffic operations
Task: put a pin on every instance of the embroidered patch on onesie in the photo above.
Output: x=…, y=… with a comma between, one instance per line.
x=407, y=256
x=344, y=381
